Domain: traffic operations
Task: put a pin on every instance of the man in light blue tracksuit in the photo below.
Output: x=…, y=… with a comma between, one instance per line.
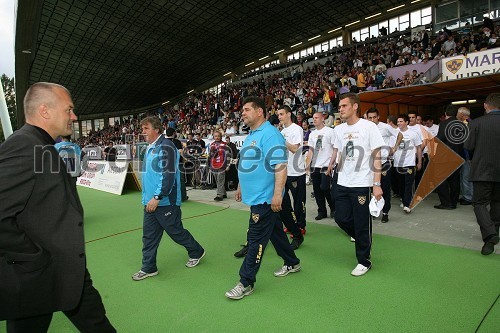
x=161, y=198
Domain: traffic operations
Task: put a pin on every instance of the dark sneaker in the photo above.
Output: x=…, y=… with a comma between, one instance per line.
x=385, y=218
x=224, y=196
x=218, y=199
x=243, y=252
x=320, y=217
x=296, y=243
x=239, y=291
x=285, y=270
x=140, y=275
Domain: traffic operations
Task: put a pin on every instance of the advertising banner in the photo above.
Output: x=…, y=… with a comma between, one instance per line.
x=474, y=64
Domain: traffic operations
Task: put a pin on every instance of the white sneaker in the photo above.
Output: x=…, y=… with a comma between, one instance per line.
x=239, y=291
x=360, y=270
x=192, y=262
x=407, y=210
x=141, y=275
x=352, y=239
x=401, y=205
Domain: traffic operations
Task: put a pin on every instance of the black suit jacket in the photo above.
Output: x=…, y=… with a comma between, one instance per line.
x=42, y=256
x=484, y=142
x=453, y=133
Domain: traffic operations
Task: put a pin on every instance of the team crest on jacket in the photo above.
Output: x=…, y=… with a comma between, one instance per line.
x=410, y=171
x=255, y=217
x=454, y=65
x=361, y=199
x=384, y=173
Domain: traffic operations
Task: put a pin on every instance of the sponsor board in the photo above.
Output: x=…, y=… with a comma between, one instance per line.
x=474, y=64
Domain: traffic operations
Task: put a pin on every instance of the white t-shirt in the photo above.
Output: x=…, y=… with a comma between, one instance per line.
x=294, y=134
x=405, y=156
x=418, y=129
x=390, y=136
x=434, y=129
x=321, y=141
x=356, y=143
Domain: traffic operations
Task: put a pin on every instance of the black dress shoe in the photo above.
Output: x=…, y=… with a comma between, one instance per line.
x=241, y=253
x=218, y=199
x=444, y=207
x=489, y=245
x=320, y=217
x=464, y=202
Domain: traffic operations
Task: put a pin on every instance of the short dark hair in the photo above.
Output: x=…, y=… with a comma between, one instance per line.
x=256, y=103
x=170, y=131
x=392, y=118
x=413, y=112
x=451, y=111
x=372, y=110
x=286, y=108
x=353, y=97
x=427, y=117
x=405, y=117
x=493, y=100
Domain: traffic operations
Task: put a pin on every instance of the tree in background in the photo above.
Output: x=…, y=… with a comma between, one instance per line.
x=10, y=98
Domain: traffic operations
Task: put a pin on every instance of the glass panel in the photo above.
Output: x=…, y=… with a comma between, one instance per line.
x=426, y=20
x=469, y=8
x=426, y=11
x=324, y=47
x=404, y=18
x=340, y=42
x=374, y=30
x=403, y=26
x=447, y=12
x=310, y=50
x=415, y=19
x=393, y=25
x=356, y=35
x=303, y=53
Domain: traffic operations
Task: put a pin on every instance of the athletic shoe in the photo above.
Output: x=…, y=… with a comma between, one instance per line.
x=287, y=269
x=140, y=275
x=489, y=245
x=352, y=239
x=194, y=262
x=385, y=218
x=401, y=205
x=320, y=217
x=296, y=243
x=360, y=270
x=407, y=210
x=241, y=253
x=239, y=291
x=218, y=199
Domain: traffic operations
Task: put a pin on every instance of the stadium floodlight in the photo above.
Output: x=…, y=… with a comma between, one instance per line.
x=165, y=102
x=250, y=63
x=394, y=8
x=279, y=51
x=318, y=36
x=334, y=30
x=372, y=16
x=190, y=91
x=458, y=102
x=352, y=23
x=415, y=1
x=295, y=45
x=227, y=73
x=263, y=58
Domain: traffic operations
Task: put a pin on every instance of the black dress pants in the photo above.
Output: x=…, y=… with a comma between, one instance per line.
x=88, y=317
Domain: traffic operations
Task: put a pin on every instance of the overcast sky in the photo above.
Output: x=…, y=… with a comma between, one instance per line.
x=7, y=37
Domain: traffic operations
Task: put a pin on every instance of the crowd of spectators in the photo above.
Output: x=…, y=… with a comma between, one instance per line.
x=361, y=67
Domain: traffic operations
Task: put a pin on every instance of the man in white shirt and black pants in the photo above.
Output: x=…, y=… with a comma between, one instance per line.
x=359, y=142
x=389, y=134
x=296, y=178
x=320, y=150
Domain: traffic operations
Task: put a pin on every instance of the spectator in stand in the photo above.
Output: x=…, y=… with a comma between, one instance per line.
x=110, y=152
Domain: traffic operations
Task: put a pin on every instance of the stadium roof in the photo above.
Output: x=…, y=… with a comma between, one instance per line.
x=122, y=56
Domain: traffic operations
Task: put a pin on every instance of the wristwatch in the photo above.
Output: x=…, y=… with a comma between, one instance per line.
x=377, y=184
x=157, y=197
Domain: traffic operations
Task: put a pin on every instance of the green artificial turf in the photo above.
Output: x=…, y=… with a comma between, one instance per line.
x=413, y=286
